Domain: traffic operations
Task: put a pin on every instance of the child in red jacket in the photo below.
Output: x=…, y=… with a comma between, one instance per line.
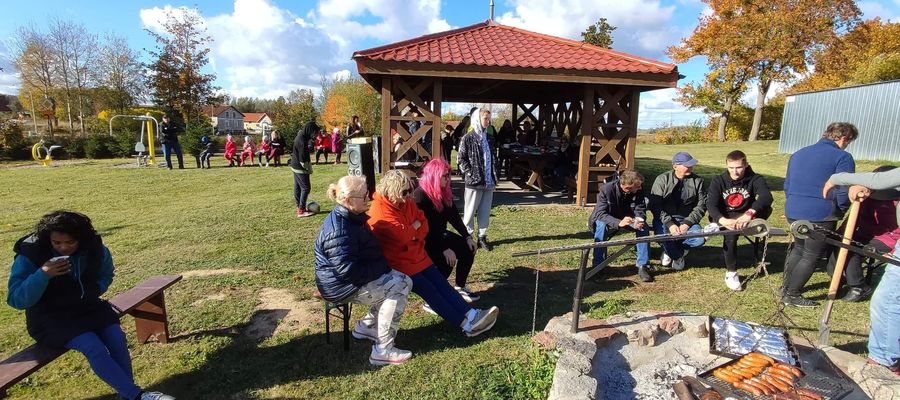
x=249, y=150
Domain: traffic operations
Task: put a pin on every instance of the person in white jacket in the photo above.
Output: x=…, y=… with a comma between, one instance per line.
x=884, y=310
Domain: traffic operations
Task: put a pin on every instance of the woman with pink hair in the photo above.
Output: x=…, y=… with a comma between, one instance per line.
x=446, y=249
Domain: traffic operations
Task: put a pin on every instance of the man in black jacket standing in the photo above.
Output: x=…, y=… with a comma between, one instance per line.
x=170, y=142
x=621, y=205
x=735, y=198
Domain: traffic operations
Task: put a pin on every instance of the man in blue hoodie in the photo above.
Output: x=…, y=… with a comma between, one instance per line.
x=808, y=170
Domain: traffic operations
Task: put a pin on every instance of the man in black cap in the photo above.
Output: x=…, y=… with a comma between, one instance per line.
x=678, y=203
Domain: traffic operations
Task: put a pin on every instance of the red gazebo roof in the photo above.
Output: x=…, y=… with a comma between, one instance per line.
x=489, y=44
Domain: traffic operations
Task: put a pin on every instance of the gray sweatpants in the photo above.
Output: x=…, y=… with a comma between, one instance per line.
x=477, y=201
x=386, y=297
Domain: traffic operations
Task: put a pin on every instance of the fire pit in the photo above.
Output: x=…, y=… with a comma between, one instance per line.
x=639, y=356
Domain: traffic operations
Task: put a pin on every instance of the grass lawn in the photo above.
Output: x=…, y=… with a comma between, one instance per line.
x=157, y=221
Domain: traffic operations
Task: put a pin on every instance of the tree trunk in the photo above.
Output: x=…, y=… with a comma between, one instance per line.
x=81, y=114
x=762, y=89
x=723, y=120
x=69, y=112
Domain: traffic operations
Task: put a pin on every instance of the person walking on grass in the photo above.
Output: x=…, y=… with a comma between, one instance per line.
x=678, y=202
x=621, y=206
x=884, y=310
x=350, y=267
x=302, y=167
x=58, y=275
x=736, y=197
x=170, y=143
x=446, y=249
x=807, y=172
x=478, y=165
x=401, y=229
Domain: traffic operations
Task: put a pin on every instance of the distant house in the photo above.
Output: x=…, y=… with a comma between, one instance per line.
x=225, y=119
x=257, y=122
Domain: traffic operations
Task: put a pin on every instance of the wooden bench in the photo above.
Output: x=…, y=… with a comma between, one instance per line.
x=145, y=302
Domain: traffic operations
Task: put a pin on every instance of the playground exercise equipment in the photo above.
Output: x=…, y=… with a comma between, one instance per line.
x=47, y=156
x=756, y=228
x=151, y=126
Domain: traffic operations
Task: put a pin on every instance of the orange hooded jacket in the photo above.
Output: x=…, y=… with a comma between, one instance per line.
x=403, y=245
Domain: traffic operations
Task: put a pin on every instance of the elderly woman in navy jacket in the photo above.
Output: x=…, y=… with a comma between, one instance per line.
x=58, y=275
x=350, y=267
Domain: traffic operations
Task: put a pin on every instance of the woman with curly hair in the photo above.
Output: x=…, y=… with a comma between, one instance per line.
x=58, y=275
x=401, y=229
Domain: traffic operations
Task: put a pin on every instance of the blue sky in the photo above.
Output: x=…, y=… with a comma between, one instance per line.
x=265, y=48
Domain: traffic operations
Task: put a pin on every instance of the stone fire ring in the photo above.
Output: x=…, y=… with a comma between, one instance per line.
x=640, y=355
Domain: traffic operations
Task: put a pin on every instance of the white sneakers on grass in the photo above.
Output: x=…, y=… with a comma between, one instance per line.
x=665, y=260
x=480, y=321
x=155, y=396
x=466, y=294
x=733, y=281
x=389, y=356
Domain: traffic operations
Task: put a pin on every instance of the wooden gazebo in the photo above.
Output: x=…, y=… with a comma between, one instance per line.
x=556, y=83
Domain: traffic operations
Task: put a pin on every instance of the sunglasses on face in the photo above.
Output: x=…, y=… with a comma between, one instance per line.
x=364, y=197
x=405, y=192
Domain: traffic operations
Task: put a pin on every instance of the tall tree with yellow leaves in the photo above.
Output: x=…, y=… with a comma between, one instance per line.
x=771, y=40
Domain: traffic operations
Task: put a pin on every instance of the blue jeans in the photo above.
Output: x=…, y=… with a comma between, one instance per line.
x=170, y=147
x=602, y=232
x=443, y=299
x=884, y=313
x=107, y=353
x=675, y=248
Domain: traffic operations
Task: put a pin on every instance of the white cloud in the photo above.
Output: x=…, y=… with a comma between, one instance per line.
x=9, y=77
x=260, y=50
x=644, y=27
x=350, y=21
x=658, y=108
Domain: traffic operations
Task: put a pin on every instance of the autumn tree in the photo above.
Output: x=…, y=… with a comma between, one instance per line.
x=119, y=73
x=863, y=55
x=176, y=79
x=341, y=99
x=74, y=52
x=34, y=61
x=771, y=41
x=599, y=34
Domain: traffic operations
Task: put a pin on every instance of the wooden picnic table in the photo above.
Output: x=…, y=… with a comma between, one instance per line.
x=532, y=164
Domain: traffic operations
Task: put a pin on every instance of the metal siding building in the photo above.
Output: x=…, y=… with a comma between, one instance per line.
x=873, y=108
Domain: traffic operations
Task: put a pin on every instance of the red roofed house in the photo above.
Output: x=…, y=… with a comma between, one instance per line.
x=225, y=119
x=550, y=81
x=257, y=122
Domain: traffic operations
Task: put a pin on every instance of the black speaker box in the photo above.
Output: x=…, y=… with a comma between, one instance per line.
x=361, y=163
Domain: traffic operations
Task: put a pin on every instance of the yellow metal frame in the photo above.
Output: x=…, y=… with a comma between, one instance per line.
x=36, y=153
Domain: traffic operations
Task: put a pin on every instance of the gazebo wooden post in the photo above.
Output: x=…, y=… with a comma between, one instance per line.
x=387, y=99
x=632, y=128
x=584, y=155
x=437, y=130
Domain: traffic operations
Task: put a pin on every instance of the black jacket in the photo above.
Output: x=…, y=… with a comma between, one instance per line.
x=690, y=207
x=729, y=199
x=470, y=160
x=300, y=152
x=348, y=255
x=613, y=204
x=169, y=132
x=437, y=221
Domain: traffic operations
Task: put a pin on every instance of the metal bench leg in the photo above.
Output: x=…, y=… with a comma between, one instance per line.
x=150, y=320
x=327, y=322
x=345, y=311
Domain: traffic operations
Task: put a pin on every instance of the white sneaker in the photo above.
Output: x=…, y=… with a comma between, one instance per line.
x=391, y=356
x=155, y=396
x=732, y=281
x=466, y=295
x=427, y=308
x=481, y=321
x=362, y=332
x=665, y=260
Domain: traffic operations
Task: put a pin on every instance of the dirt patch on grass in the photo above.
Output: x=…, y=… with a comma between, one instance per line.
x=279, y=312
x=203, y=273
x=212, y=297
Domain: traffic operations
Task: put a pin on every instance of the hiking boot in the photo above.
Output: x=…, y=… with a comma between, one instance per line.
x=427, y=308
x=480, y=321
x=466, y=295
x=858, y=293
x=300, y=211
x=665, y=260
x=644, y=273
x=155, y=396
x=391, y=356
x=363, y=332
x=733, y=281
x=799, y=301
x=483, y=243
